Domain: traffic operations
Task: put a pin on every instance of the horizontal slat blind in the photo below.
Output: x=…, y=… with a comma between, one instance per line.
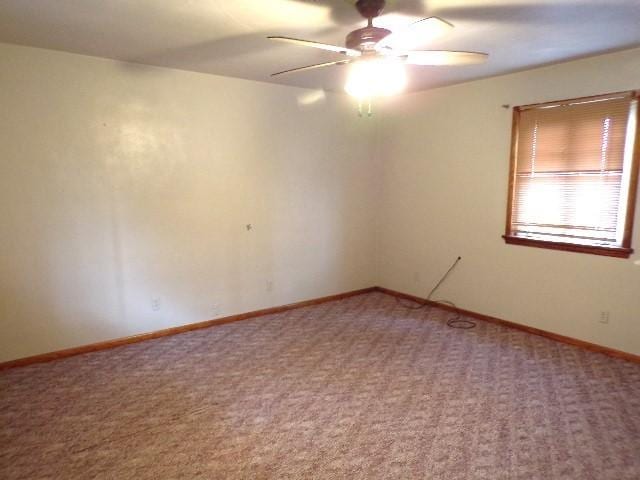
x=569, y=170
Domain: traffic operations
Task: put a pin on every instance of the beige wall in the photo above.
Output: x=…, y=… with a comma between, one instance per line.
x=445, y=155
x=121, y=184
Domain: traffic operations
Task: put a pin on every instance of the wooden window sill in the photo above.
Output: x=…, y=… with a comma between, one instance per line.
x=619, y=252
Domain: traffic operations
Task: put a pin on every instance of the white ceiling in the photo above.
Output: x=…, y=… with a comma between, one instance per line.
x=227, y=37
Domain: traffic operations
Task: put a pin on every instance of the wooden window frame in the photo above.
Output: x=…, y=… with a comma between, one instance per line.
x=622, y=251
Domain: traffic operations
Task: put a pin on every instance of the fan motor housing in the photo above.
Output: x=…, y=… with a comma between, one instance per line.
x=366, y=38
x=370, y=8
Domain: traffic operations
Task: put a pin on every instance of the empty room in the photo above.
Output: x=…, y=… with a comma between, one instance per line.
x=319, y=239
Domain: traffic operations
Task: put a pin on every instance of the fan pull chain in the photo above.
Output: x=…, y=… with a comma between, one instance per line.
x=369, y=108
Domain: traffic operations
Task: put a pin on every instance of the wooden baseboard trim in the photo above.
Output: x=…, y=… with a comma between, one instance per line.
x=506, y=323
x=94, y=347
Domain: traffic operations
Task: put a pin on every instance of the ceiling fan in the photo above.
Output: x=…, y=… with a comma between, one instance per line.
x=378, y=55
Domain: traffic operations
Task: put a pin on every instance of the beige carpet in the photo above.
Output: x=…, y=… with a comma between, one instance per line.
x=356, y=389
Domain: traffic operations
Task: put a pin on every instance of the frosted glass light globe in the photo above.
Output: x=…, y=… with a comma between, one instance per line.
x=376, y=77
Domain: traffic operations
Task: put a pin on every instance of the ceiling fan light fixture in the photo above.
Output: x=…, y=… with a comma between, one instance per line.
x=376, y=77
x=377, y=56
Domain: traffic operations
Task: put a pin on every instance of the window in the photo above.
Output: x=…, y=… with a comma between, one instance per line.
x=574, y=174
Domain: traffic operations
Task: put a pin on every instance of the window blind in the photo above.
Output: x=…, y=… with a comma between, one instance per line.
x=572, y=167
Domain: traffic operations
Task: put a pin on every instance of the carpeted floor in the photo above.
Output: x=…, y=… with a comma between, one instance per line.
x=356, y=389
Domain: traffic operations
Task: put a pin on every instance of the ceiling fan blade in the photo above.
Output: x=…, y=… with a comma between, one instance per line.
x=416, y=34
x=445, y=57
x=311, y=67
x=322, y=46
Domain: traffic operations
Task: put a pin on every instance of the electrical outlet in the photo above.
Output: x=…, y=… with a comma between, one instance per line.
x=215, y=309
x=604, y=317
x=269, y=286
x=156, y=304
